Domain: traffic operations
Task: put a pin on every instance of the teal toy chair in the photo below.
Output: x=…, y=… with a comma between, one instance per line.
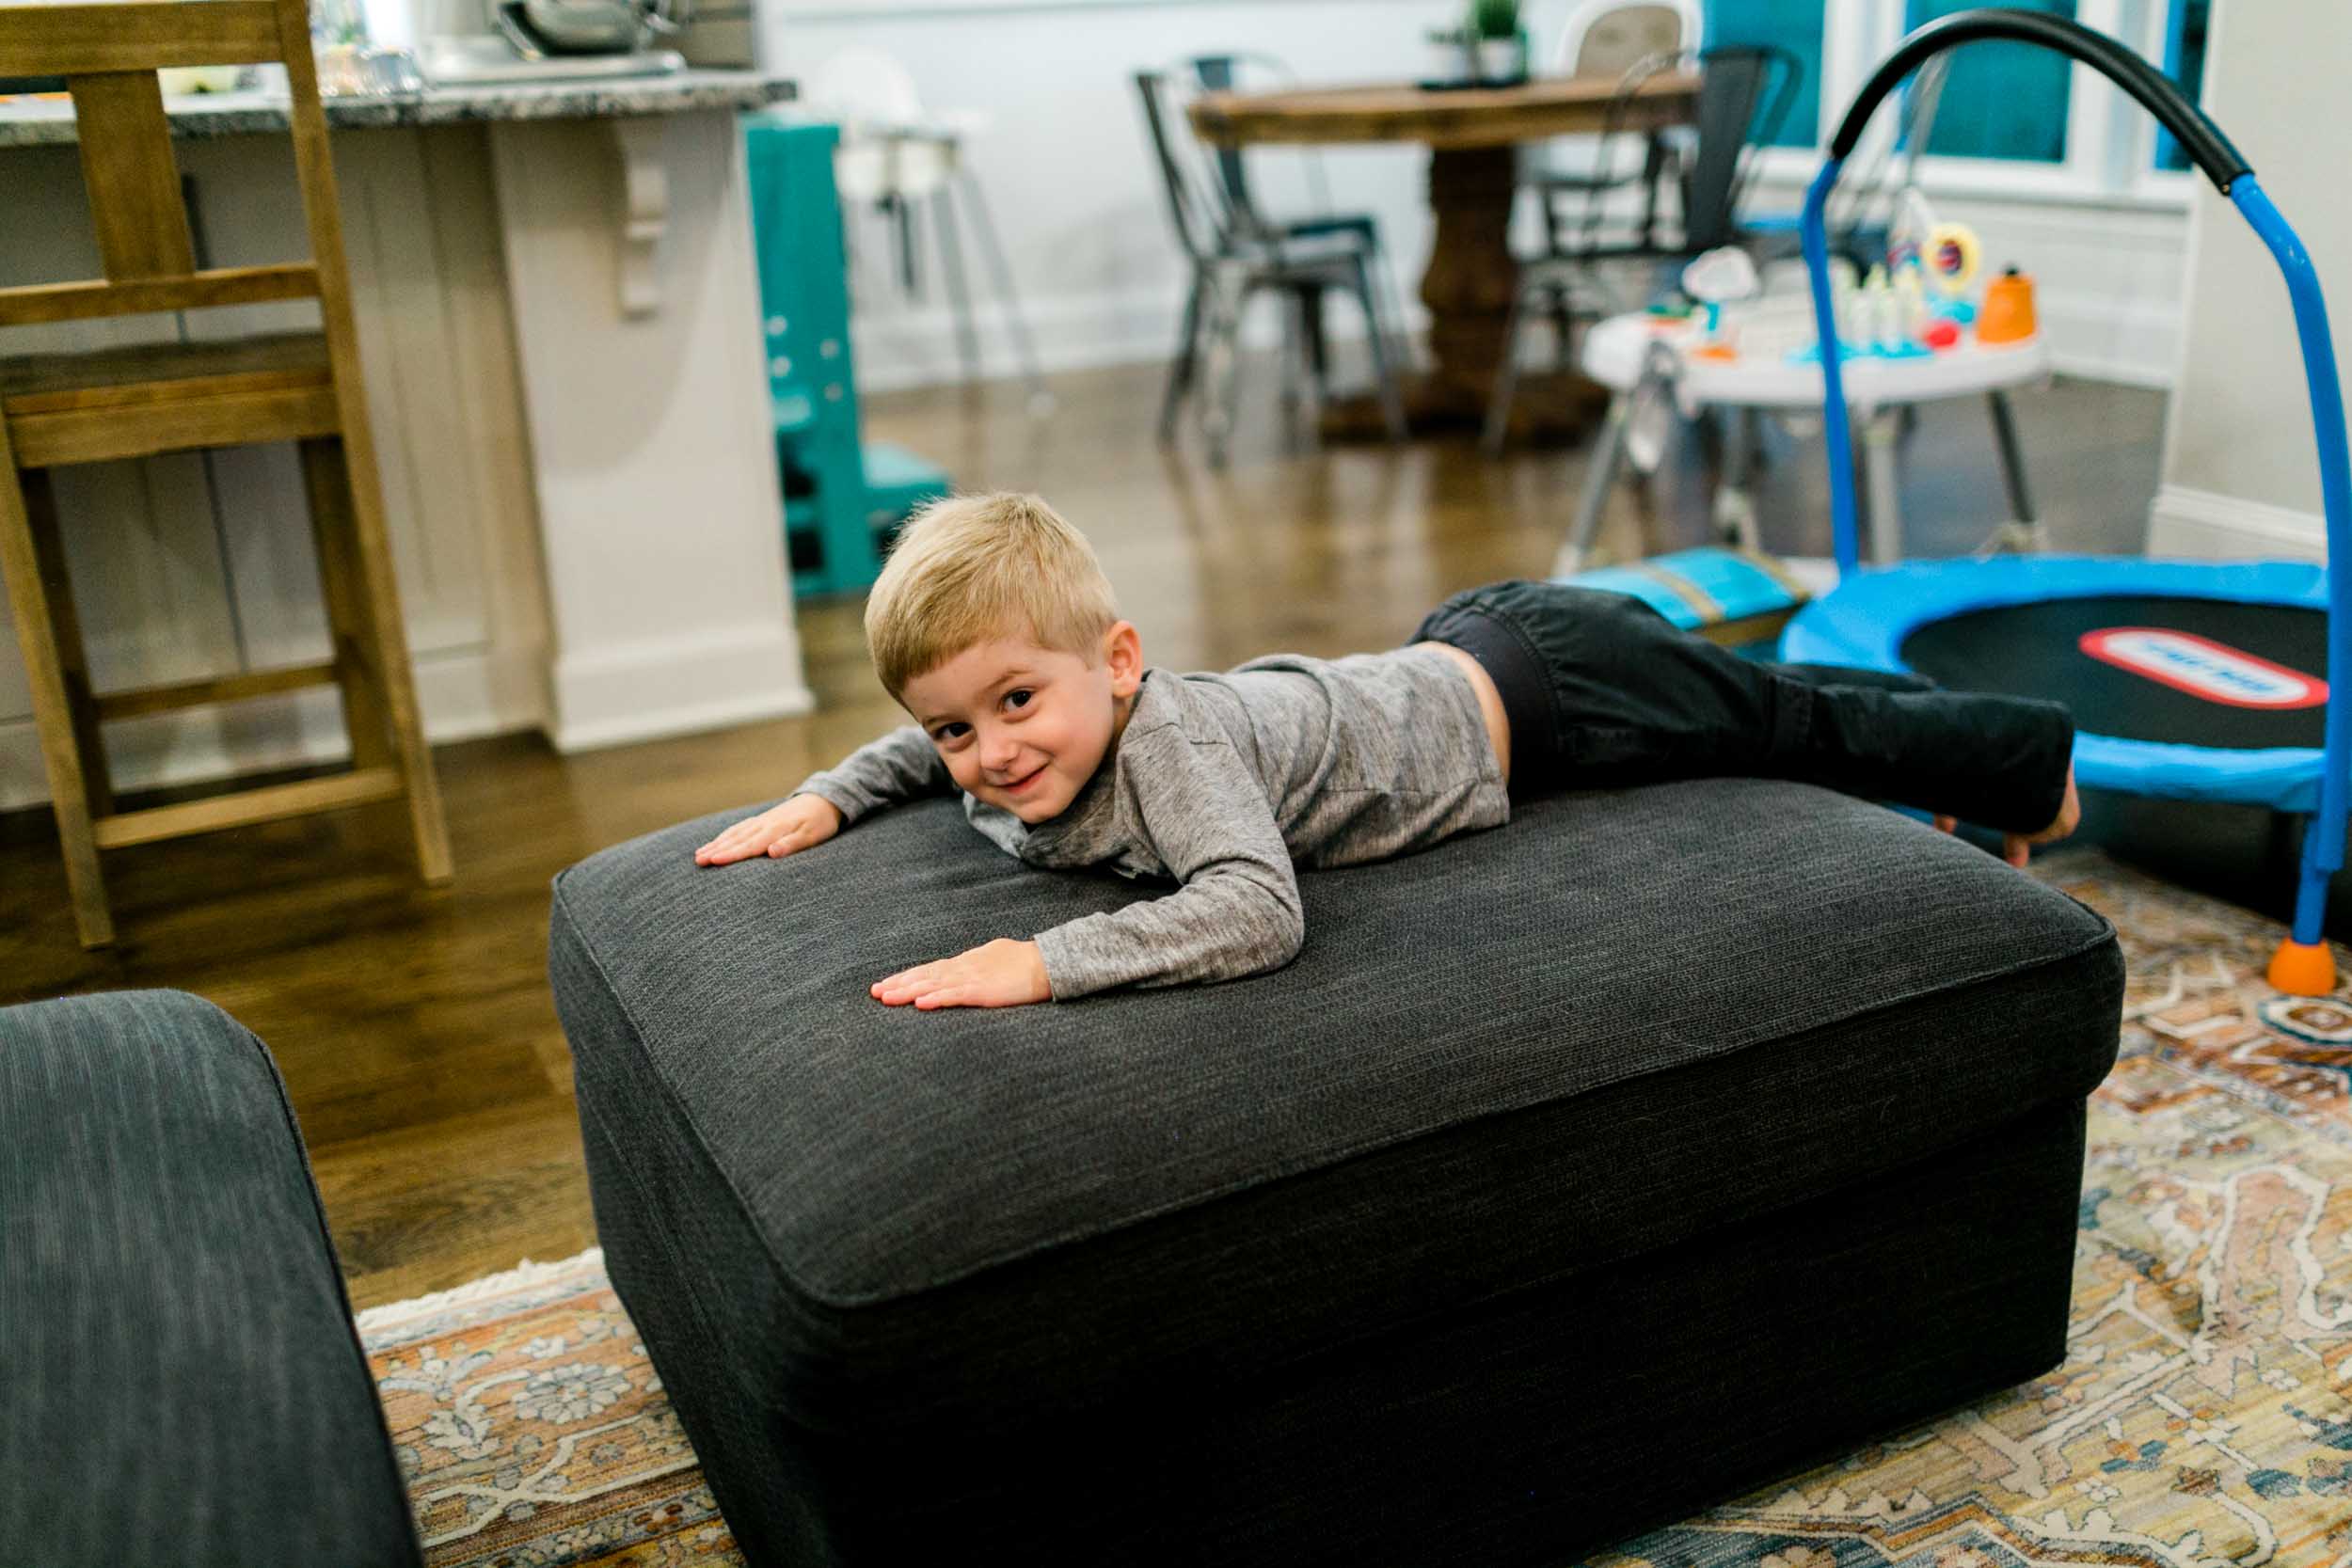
x=841, y=495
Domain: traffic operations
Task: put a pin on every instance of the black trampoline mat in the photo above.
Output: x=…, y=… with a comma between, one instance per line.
x=2034, y=650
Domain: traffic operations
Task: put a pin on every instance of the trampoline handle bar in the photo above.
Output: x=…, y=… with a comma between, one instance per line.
x=2197, y=136
x=2324, y=847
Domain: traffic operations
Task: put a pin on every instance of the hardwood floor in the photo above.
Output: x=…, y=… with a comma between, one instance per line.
x=414, y=1028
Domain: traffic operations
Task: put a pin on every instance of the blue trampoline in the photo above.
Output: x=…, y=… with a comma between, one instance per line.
x=2188, y=680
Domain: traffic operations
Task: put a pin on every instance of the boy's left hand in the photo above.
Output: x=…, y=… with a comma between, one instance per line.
x=1000, y=973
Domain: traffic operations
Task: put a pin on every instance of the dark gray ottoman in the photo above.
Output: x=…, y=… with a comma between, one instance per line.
x=1577, y=1175
x=180, y=1380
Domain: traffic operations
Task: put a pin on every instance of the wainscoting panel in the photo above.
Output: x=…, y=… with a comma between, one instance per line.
x=193, y=566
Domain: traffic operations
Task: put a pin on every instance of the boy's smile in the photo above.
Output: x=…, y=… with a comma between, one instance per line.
x=1022, y=727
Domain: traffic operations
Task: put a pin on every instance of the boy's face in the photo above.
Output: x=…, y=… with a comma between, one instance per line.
x=1024, y=727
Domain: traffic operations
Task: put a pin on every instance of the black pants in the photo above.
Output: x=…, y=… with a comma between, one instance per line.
x=1602, y=691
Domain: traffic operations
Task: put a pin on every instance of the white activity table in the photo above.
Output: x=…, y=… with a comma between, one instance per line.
x=1638, y=356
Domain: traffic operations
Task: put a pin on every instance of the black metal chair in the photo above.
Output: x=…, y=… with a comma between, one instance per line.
x=1746, y=93
x=1249, y=70
x=1236, y=253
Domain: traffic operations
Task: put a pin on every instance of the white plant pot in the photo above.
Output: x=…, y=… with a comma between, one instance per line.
x=1451, y=63
x=1498, y=60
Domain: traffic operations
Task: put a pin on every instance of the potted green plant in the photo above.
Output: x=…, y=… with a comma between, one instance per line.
x=1502, y=43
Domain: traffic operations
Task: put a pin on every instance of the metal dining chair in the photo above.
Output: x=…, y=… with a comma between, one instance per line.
x=1243, y=198
x=1744, y=93
x=1234, y=256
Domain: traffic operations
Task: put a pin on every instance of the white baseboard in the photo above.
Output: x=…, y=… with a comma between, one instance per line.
x=462, y=693
x=676, y=686
x=2201, y=525
x=2089, y=339
x=903, y=348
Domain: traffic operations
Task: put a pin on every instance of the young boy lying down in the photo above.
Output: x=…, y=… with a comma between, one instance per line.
x=991, y=623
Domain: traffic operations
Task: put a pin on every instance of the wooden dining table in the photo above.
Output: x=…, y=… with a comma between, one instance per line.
x=1472, y=135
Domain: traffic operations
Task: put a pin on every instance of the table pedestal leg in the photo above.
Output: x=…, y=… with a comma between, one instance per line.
x=1880, y=428
x=1468, y=287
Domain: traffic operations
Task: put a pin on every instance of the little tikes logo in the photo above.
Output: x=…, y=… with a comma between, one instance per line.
x=2203, y=668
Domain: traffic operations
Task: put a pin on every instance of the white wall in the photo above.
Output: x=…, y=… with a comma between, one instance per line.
x=1067, y=170
x=1067, y=167
x=2240, y=464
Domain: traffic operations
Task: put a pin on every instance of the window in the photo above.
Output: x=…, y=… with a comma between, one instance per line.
x=2013, y=118
x=1792, y=24
x=2184, y=62
x=2001, y=100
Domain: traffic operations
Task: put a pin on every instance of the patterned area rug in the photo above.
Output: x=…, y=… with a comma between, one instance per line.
x=2203, y=1416
x=533, y=1431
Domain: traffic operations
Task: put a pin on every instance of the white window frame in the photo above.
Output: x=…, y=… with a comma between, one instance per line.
x=2110, y=140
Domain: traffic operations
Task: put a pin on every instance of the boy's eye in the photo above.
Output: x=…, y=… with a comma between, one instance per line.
x=946, y=733
x=1019, y=697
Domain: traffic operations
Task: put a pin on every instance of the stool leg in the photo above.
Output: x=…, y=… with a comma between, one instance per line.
x=53, y=717
x=1221, y=396
x=1384, y=371
x=1040, y=397
x=364, y=718
x=1498, y=427
x=1735, y=509
x=2014, y=470
x=1879, y=461
x=1608, y=455
x=1293, y=355
x=1180, y=370
x=40, y=509
x=353, y=547
x=958, y=293
x=1319, y=345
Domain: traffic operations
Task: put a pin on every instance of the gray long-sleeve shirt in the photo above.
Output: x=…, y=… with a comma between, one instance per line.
x=1221, y=783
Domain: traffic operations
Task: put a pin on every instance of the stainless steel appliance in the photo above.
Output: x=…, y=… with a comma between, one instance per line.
x=537, y=40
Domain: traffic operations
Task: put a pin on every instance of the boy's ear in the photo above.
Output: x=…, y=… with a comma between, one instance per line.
x=1122, y=652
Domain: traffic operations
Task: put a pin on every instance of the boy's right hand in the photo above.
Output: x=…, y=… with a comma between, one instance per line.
x=779, y=830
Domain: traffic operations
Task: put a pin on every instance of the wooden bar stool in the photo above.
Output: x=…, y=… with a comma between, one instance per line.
x=121, y=403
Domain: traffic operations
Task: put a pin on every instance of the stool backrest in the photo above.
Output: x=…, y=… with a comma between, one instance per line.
x=109, y=54
x=1607, y=38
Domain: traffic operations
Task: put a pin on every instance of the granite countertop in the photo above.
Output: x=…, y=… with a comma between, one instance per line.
x=47, y=120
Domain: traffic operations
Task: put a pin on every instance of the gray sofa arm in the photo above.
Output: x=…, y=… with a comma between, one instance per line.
x=180, y=1380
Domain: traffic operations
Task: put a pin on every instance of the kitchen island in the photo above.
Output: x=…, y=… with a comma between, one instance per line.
x=559, y=324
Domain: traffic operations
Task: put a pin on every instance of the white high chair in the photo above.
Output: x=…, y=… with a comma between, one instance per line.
x=895, y=154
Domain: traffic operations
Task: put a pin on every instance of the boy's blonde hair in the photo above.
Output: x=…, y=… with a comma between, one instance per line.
x=970, y=569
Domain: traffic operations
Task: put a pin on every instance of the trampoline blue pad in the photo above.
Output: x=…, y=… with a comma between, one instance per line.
x=1866, y=619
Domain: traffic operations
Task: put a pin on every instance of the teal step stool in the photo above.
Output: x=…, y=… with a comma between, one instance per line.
x=841, y=496
x=1735, y=597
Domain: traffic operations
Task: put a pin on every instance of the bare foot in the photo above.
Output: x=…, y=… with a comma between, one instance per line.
x=2016, y=848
